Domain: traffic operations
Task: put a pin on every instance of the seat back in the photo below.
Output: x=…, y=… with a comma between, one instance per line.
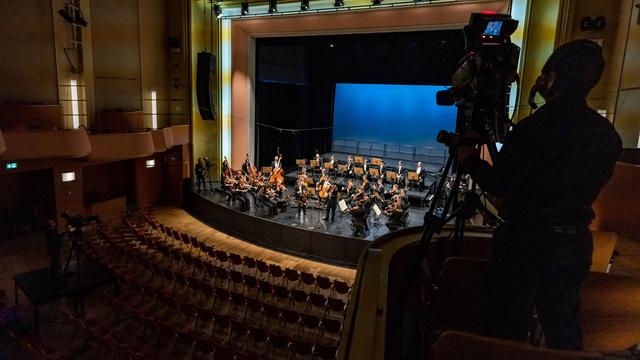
x=456, y=345
x=610, y=312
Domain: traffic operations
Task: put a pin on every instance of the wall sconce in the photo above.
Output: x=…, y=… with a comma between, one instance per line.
x=68, y=176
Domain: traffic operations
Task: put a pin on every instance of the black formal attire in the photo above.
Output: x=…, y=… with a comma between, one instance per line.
x=349, y=172
x=200, y=176
x=421, y=173
x=332, y=203
x=401, y=176
x=246, y=167
x=548, y=173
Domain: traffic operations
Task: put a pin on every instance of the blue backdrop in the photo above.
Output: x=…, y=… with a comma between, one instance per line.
x=398, y=114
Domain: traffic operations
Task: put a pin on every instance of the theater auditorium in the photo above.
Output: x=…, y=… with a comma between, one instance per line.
x=320, y=179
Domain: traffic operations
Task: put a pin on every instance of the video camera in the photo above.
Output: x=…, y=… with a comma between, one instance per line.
x=75, y=222
x=482, y=81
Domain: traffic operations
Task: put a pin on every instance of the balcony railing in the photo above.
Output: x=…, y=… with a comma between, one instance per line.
x=391, y=151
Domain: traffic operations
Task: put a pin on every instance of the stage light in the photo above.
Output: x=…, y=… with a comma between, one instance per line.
x=273, y=6
x=244, y=8
x=338, y=3
x=304, y=5
x=217, y=10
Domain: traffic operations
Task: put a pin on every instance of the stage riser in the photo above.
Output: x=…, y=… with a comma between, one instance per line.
x=339, y=250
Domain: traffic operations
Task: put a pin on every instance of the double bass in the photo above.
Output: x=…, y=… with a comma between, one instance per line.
x=277, y=174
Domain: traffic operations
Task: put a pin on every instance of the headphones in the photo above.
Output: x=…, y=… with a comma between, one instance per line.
x=559, y=56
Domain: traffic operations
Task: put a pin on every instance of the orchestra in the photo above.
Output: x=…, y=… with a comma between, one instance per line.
x=359, y=189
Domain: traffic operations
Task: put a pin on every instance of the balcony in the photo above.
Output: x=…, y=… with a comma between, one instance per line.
x=45, y=144
x=121, y=146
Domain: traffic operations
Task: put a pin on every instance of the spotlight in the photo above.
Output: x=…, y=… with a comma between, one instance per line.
x=304, y=5
x=273, y=6
x=244, y=8
x=217, y=10
x=338, y=3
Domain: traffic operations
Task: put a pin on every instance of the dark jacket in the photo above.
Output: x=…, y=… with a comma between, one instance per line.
x=552, y=165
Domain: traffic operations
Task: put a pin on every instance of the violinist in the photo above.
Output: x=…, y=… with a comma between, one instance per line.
x=365, y=183
x=391, y=192
x=240, y=188
x=267, y=197
x=301, y=194
x=395, y=212
x=332, y=201
x=378, y=186
x=303, y=175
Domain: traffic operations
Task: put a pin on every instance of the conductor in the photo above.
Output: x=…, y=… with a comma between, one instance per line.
x=549, y=171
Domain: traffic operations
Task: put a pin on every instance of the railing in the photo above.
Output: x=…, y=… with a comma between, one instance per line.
x=391, y=151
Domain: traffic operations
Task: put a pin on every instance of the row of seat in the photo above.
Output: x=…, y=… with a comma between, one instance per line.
x=227, y=279
x=246, y=263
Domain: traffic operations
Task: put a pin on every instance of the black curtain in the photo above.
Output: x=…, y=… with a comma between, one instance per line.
x=292, y=106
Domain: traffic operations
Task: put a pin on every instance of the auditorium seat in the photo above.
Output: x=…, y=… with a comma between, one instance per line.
x=456, y=345
x=610, y=312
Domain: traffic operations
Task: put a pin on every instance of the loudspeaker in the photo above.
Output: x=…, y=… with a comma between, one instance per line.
x=204, y=80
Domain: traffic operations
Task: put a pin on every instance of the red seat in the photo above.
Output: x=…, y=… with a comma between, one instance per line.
x=278, y=343
x=299, y=297
x=266, y=289
x=248, y=263
x=336, y=305
x=323, y=283
x=236, y=279
x=332, y=326
x=309, y=322
x=302, y=348
x=291, y=275
x=307, y=279
x=262, y=267
x=318, y=301
x=235, y=260
x=340, y=287
x=250, y=283
x=325, y=352
x=275, y=273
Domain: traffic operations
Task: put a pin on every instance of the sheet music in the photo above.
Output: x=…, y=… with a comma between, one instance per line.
x=376, y=209
x=343, y=205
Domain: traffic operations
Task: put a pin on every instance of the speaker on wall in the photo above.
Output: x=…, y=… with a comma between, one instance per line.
x=204, y=82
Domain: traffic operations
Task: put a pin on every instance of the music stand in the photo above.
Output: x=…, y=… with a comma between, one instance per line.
x=301, y=162
x=328, y=166
x=358, y=171
x=375, y=161
x=392, y=176
x=413, y=176
x=314, y=164
x=342, y=168
x=358, y=159
x=266, y=170
x=374, y=172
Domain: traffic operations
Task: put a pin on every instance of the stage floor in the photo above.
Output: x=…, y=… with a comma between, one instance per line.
x=313, y=220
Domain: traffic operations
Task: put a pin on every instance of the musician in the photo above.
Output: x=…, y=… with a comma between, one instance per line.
x=324, y=186
x=199, y=170
x=240, y=189
x=332, y=201
x=359, y=214
x=378, y=186
x=365, y=183
x=246, y=166
x=225, y=167
x=395, y=212
x=320, y=160
x=350, y=164
x=279, y=191
x=301, y=194
x=267, y=197
x=303, y=175
x=334, y=164
x=323, y=176
x=381, y=171
x=391, y=192
x=275, y=164
x=402, y=171
x=421, y=174
x=365, y=166
x=349, y=189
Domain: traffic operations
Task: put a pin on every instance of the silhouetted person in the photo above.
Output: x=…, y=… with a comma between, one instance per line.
x=549, y=171
x=54, y=243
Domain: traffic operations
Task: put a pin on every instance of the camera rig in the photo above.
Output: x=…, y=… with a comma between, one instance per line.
x=481, y=91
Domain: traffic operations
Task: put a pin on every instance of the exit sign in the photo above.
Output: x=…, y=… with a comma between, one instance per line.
x=12, y=165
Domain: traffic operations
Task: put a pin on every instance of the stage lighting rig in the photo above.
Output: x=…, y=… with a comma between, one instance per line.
x=338, y=3
x=217, y=10
x=244, y=8
x=304, y=5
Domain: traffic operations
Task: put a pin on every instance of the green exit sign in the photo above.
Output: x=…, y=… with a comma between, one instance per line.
x=12, y=165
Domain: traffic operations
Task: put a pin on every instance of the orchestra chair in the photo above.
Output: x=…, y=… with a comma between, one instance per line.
x=358, y=171
x=458, y=345
x=374, y=172
x=358, y=159
x=391, y=176
x=375, y=161
x=604, y=243
x=266, y=170
x=610, y=312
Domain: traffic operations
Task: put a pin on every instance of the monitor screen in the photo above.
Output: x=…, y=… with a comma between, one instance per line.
x=494, y=28
x=391, y=114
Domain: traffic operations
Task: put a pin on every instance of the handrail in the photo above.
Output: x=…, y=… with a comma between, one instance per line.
x=367, y=148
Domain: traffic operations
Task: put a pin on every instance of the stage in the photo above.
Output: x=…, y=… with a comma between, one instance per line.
x=307, y=236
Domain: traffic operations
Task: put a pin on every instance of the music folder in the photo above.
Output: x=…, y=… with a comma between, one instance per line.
x=376, y=209
x=412, y=176
x=342, y=205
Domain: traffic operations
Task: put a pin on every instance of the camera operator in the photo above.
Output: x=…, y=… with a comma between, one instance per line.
x=549, y=171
